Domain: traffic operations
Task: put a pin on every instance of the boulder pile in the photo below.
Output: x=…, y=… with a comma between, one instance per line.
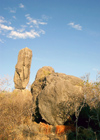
x=56, y=98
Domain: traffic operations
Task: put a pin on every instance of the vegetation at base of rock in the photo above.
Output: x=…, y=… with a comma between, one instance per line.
x=15, y=110
x=16, y=116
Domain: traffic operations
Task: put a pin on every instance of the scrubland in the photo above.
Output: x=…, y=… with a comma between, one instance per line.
x=16, y=110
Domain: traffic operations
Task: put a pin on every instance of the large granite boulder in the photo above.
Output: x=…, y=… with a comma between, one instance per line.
x=60, y=98
x=22, y=68
x=39, y=84
x=56, y=96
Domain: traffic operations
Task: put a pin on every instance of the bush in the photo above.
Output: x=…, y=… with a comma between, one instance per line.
x=89, y=113
x=15, y=109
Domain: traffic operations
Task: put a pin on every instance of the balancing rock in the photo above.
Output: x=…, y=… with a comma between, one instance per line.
x=22, y=68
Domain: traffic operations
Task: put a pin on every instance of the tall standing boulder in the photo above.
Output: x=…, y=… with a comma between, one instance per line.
x=22, y=68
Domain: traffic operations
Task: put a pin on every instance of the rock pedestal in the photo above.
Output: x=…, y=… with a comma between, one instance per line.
x=22, y=68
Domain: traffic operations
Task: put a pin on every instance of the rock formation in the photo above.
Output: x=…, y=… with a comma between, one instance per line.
x=59, y=104
x=56, y=96
x=39, y=84
x=60, y=98
x=41, y=131
x=22, y=68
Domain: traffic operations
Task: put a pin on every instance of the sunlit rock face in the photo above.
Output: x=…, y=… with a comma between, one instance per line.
x=56, y=96
x=22, y=68
x=60, y=98
x=38, y=85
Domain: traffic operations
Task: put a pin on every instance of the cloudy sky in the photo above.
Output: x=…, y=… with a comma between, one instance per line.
x=63, y=34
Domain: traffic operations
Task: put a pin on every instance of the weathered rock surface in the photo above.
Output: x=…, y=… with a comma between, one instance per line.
x=56, y=96
x=40, y=131
x=60, y=98
x=39, y=84
x=22, y=68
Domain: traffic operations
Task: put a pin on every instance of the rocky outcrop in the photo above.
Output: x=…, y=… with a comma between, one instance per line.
x=61, y=105
x=22, y=68
x=41, y=132
x=56, y=96
x=39, y=84
x=40, y=79
x=60, y=98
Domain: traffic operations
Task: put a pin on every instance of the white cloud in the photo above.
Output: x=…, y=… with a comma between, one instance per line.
x=35, y=22
x=77, y=26
x=31, y=26
x=12, y=10
x=4, y=27
x=31, y=20
x=28, y=30
x=24, y=35
x=23, y=26
x=44, y=17
x=1, y=41
x=14, y=17
x=21, y=30
x=21, y=5
x=42, y=23
x=41, y=32
x=2, y=20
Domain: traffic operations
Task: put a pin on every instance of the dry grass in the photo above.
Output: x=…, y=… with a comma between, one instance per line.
x=15, y=109
x=5, y=83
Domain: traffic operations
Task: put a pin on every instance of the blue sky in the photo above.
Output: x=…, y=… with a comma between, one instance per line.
x=63, y=34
